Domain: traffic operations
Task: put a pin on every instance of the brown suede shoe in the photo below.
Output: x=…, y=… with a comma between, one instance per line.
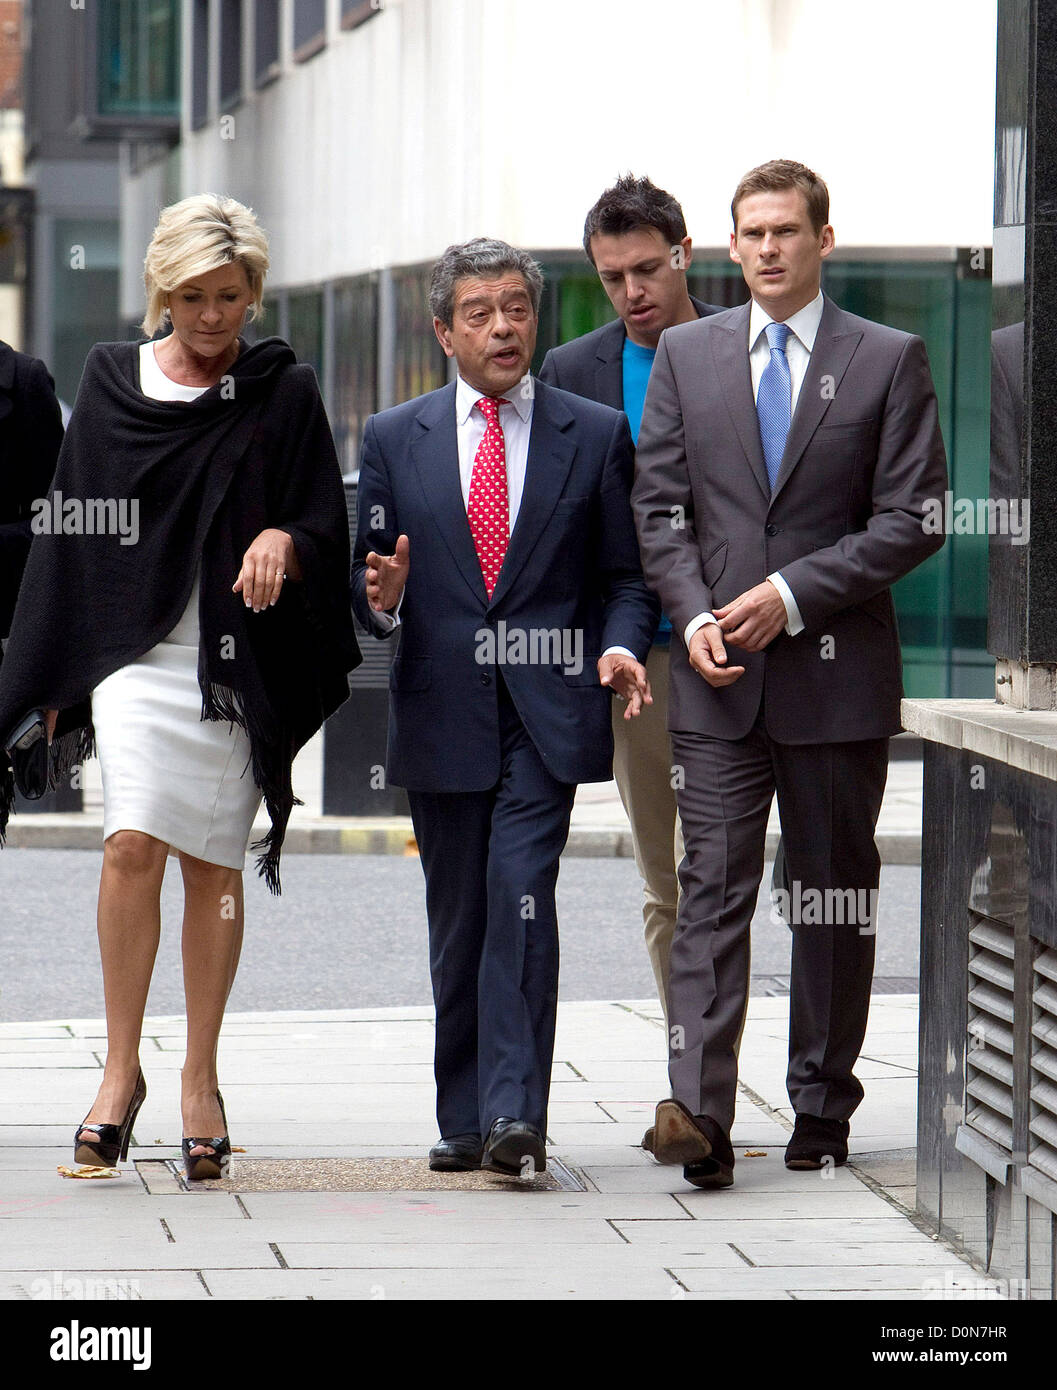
x=817, y=1143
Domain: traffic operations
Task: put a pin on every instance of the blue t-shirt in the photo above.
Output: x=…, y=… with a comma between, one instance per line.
x=637, y=364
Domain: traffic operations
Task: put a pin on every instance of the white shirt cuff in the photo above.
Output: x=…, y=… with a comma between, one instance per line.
x=388, y=621
x=695, y=623
x=794, y=623
x=622, y=651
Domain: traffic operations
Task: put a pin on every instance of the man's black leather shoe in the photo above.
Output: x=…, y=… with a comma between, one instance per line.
x=461, y=1154
x=514, y=1148
x=717, y=1170
x=817, y=1143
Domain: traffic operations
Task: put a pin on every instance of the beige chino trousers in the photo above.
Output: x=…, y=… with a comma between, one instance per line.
x=642, y=767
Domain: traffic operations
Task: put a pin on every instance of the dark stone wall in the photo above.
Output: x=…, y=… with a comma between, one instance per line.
x=1022, y=617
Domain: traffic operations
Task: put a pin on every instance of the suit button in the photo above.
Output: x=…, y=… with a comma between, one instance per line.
x=486, y=680
x=771, y=529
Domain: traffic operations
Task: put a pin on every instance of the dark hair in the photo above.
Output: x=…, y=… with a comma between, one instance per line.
x=630, y=204
x=779, y=174
x=485, y=257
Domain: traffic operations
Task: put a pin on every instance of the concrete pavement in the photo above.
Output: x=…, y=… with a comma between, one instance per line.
x=303, y=1089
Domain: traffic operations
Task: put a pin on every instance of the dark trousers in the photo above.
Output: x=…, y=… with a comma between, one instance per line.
x=829, y=797
x=491, y=864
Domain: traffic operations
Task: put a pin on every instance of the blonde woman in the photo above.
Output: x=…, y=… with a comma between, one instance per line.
x=194, y=627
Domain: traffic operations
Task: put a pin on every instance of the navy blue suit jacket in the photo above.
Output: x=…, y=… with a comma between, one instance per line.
x=593, y=365
x=572, y=567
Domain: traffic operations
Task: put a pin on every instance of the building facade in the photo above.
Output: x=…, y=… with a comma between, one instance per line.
x=370, y=134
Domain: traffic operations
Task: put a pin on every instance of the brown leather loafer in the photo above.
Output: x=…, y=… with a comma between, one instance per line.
x=677, y=1136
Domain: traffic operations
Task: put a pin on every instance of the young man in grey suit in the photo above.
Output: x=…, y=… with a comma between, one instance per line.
x=786, y=455
x=635, y=237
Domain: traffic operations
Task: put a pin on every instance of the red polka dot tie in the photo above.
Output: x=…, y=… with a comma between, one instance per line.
x=488, y=509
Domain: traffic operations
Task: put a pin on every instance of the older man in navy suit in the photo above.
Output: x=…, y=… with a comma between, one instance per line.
x=496, y=531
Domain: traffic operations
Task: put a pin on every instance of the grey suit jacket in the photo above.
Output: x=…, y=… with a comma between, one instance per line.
x=844, y=522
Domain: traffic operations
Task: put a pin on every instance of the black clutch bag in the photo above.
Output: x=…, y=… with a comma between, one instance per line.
x=27, y=747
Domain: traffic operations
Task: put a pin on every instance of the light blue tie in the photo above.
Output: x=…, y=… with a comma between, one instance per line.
x=774, y=400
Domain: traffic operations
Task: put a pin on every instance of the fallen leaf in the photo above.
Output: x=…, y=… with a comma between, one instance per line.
x=88, y=1172
x=236, y=1150
x=755, y=1153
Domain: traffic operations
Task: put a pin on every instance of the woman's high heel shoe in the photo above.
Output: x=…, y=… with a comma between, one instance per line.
x=202, y=1167
x=111, y=1144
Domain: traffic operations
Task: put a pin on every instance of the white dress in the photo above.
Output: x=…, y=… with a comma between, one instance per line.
x=166, y=771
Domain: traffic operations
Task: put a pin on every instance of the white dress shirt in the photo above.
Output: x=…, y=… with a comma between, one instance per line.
x=515, y=419
x=803, y=328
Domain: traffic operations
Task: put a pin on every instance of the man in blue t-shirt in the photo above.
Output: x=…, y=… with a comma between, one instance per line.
x=635, y=237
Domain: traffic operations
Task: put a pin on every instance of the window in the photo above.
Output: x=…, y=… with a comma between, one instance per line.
x=230, y=53
x=355, y=364
x=310, y=28
x=420, y=364
x=200, y=64
x=354, y=12
x=138, y=59
x=85, y=266
x=266, y=41
x=305, y=327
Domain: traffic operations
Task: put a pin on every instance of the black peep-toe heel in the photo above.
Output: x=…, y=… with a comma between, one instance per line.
x=111, y=1145
x=202, y=1167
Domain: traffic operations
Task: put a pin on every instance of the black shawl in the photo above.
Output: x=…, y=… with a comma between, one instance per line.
x=201, y=479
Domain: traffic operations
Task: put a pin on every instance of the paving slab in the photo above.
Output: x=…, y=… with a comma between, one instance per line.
x=507, y=1204
x=834, y=1280
x=595, y=1256
x=440, y=1282
x=111, y=1287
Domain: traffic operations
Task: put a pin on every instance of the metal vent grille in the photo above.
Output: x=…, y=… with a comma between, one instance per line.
x=1042, y=1127
x=989, y=1069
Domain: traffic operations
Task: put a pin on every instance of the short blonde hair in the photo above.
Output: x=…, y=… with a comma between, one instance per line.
x=198, y=235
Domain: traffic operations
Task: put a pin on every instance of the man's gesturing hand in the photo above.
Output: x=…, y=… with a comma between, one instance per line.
x=387, y=575
x=754, y=618
x=625, y=676
x=708, y=657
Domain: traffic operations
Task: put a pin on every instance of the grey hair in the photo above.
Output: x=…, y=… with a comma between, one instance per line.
x=482, y=257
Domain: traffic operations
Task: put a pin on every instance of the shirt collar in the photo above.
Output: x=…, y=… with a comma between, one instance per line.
x=804, y=323
x=520, y=398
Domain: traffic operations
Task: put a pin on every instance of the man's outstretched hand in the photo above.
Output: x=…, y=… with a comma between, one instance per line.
x=624, y=675
x=386, y=576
